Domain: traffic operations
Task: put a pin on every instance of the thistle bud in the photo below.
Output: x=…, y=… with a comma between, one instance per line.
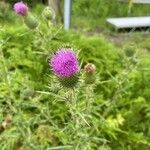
x=89, y=73
x=31, y=22
x=48, y=13
x=89, y=69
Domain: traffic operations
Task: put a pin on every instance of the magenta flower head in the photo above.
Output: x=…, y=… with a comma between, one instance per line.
x=64, y=63
x=21, y=8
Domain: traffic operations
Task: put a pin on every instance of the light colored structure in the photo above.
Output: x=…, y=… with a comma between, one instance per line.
x=67, y=14
x=129, y=22
x=137, y=1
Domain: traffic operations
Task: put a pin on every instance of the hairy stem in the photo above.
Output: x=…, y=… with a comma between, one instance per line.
x=7, y=80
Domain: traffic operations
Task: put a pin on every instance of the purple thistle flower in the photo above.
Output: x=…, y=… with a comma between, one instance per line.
x=21, y=8
x=64, y=63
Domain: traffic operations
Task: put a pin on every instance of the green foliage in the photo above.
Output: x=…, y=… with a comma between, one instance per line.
x=107, y=8
x=113, y=114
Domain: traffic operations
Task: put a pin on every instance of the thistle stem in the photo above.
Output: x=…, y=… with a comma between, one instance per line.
x=41, y=34
x=89, y=98
x=73, y=106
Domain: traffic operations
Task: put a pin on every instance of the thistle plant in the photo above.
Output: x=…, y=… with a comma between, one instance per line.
x=130, y=64
x=22, y=9
x=44, y=30
x=70, y=79
x=66, y=67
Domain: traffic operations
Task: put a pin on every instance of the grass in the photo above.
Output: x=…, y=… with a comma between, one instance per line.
x=95, y=14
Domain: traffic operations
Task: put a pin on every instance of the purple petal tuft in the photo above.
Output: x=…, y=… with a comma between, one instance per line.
x=21, y=8
x=64, y=63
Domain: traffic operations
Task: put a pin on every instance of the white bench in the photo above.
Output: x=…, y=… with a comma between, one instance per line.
x=129, y=22
x=137, y=1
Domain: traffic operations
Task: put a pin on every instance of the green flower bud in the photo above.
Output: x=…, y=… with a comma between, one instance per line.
x=89, y=73
x=31, y=22
x=89, y=69
x=48, y=13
